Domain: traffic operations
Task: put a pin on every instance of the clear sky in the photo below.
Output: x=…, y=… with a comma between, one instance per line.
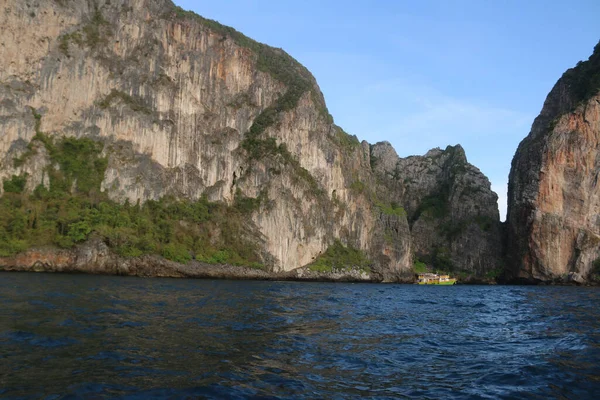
x=427, y=73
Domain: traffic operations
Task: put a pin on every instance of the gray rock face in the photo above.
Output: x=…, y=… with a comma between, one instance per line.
x=180, y=104
x=553, y=197
x=187, y=107
x=452, y=211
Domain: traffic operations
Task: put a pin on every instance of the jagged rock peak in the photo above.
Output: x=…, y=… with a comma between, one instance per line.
x=436, y=151
x=576, y=85
x=384, y=156
x=450, y=207
x=457, y=152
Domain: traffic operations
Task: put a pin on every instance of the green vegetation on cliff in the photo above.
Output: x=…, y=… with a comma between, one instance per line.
x=440, y=260
x=344, y=140
x=392, y=209
x=16, y=184
x=434, y=205
x=338, y=257
x=419, y=267
x=583, y=81
x=73, y=208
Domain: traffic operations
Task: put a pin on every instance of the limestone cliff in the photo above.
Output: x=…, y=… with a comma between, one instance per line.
x=553, y=194
x=175, y=105
x=451, y=209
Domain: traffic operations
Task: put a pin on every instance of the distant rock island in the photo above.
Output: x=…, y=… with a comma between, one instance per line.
x=142, y=139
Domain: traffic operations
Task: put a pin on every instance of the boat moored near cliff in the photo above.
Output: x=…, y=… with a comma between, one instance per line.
x=435, y=279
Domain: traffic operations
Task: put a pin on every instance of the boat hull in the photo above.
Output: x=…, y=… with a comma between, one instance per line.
x=445, y=283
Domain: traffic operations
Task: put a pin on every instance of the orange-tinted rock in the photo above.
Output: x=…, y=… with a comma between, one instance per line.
x=554, y=197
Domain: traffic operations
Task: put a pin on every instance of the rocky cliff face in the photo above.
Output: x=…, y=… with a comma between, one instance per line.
x=451, y=209
x=553, y=195
x=183, y=106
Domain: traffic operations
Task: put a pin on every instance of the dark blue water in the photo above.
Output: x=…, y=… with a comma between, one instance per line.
x=75, y=336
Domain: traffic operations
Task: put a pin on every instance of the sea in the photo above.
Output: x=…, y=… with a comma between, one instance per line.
x=100, y=337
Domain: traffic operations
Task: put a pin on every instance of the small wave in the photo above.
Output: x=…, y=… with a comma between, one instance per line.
x=38, y=341
x=108, y=355
x=132, y=324
x=41, y=303
x=421, y=301
x=111, y=311
x=69, y=322
x=240, y=341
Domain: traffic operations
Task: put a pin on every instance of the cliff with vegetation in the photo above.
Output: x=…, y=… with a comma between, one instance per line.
x=158, y=133
x=451, y=210
x=553, y=195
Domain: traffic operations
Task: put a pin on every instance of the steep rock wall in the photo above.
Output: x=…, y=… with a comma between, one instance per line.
x=553, y=197
x=452, y=211
x=180, y=104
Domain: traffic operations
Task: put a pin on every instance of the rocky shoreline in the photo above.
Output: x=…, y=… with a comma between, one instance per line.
x=96, y=258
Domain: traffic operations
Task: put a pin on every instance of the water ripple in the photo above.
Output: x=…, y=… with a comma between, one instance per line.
x=74, y=336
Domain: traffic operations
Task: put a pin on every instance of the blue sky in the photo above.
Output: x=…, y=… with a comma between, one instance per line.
x=424, y=74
